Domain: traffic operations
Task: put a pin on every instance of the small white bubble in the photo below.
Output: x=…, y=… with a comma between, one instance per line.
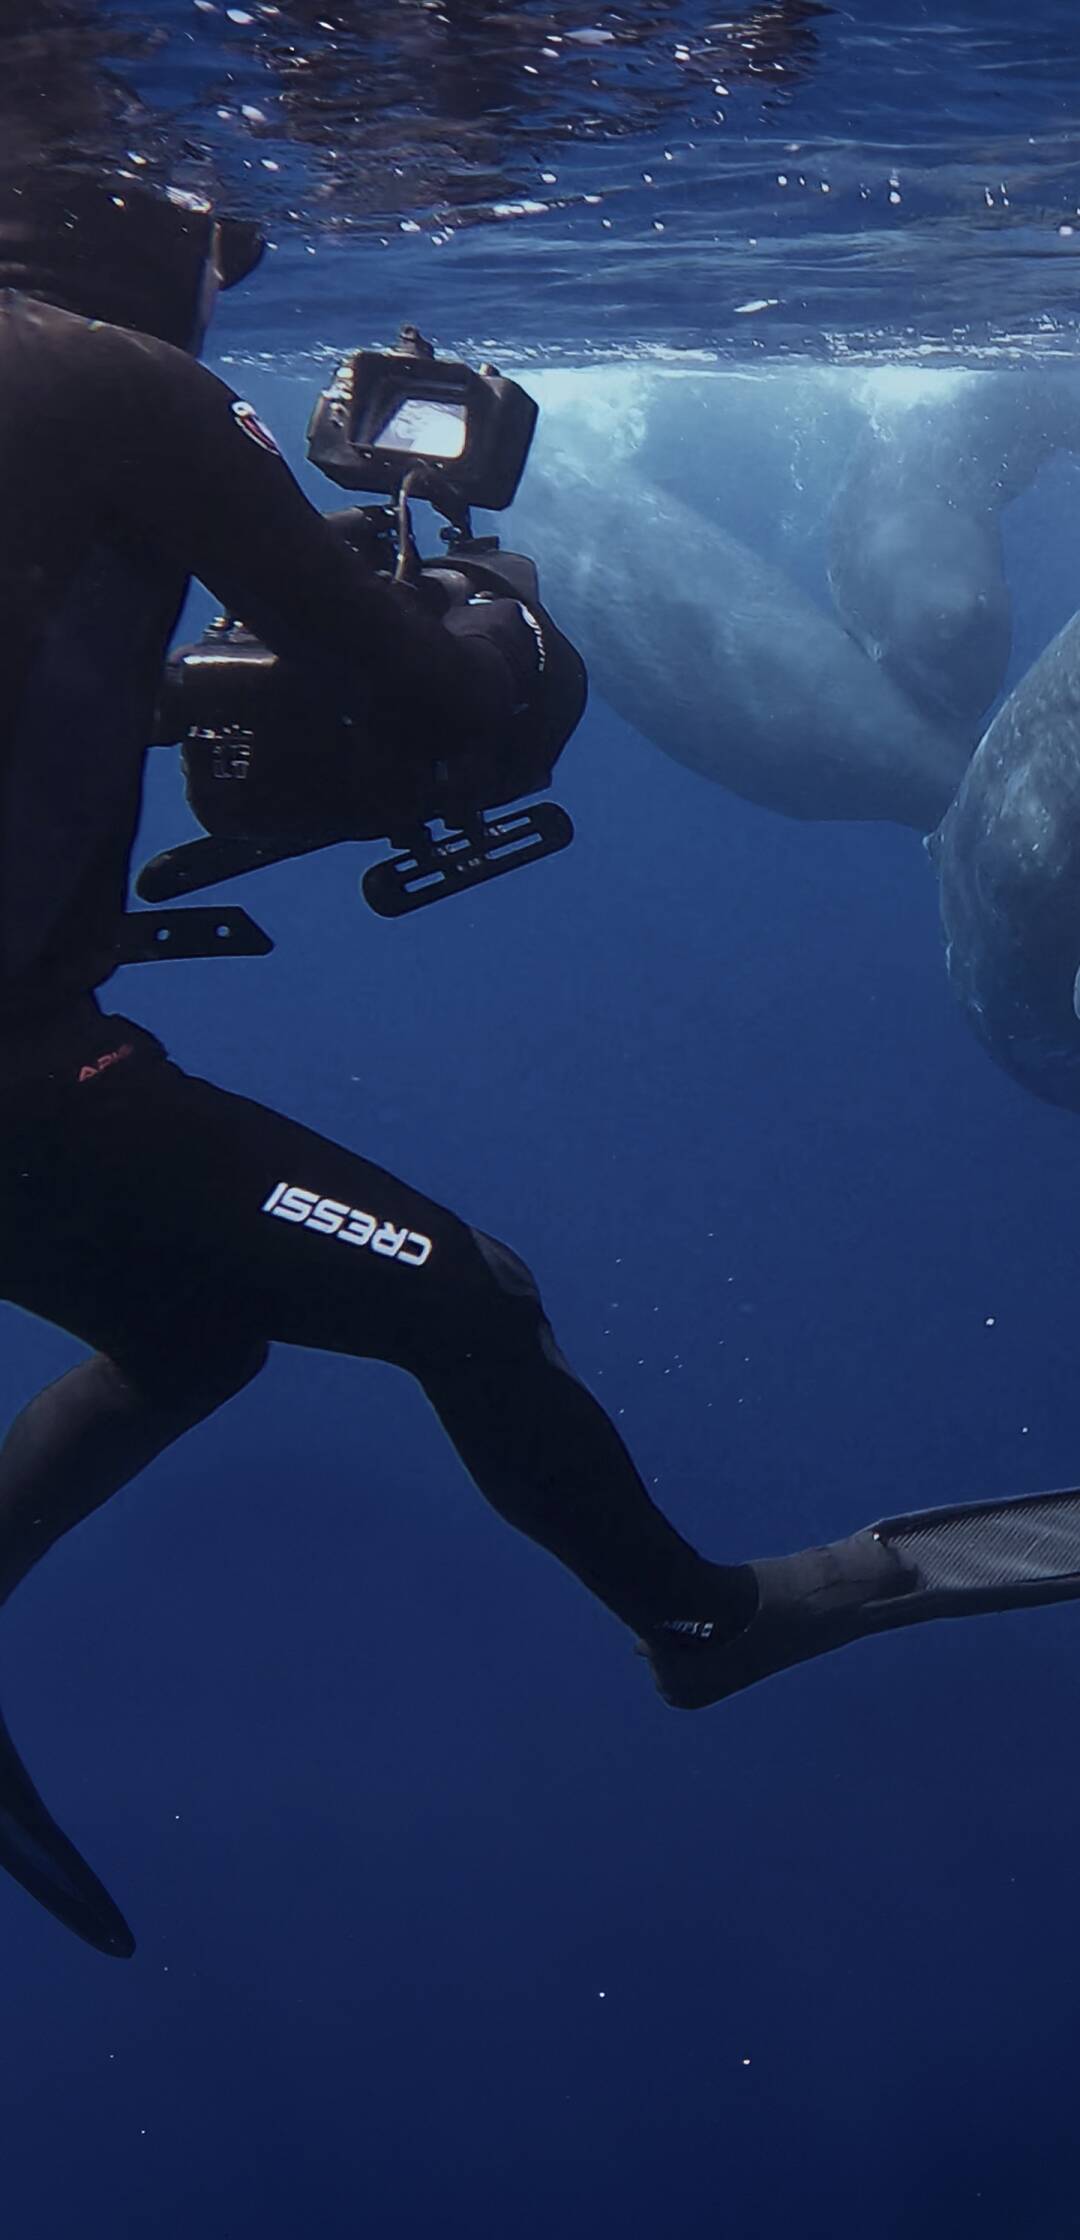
x=990, y=1321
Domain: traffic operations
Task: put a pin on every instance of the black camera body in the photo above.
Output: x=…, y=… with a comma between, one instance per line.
x=239, y=711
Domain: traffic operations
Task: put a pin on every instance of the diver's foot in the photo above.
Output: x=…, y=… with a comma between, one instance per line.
x=779, y=1612
x=683, y=1650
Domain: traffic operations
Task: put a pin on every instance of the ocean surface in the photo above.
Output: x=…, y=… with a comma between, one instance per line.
x=446, y=1925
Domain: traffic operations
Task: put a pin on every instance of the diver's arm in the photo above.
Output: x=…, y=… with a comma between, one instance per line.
x=213, y=494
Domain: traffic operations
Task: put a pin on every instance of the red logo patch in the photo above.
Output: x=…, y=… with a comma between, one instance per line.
x=108, y=1058
x=248, y=419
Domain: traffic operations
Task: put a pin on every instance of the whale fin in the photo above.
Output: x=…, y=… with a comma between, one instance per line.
x=38, y=1855
x=1076, y=995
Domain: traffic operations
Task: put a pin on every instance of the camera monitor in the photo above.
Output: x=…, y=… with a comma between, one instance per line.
x=388, y=411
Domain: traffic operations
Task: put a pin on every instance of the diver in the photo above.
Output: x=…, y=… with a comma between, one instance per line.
x=175, y=1228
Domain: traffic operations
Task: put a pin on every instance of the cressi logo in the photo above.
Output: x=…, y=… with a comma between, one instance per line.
x=330, y=1217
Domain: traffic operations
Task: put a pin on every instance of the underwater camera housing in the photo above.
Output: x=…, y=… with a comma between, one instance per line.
x=410, y=426
x=389, y=412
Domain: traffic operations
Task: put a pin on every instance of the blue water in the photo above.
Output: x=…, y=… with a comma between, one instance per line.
x=446, y=1926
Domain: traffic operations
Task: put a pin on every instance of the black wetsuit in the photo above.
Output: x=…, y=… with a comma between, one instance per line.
x=174, y=1227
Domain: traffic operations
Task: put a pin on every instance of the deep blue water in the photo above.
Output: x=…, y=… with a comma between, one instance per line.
x=446, y=1925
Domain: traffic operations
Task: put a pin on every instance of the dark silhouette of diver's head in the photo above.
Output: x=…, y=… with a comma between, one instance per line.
x=112, y=248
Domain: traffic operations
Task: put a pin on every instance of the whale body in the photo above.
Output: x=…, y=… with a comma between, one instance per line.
x=915, y=552
x=717, y=657
x=1008, y=859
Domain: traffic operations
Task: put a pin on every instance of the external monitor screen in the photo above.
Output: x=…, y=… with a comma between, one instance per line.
x=426, y=427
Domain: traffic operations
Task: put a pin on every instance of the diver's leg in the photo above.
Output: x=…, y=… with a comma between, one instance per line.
x=183, y=1209
x=84, y=1437
x=548, y=1459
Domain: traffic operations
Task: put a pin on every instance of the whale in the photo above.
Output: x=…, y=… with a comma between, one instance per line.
x=915, y=558
x=920, y=582
x=1008, y=862
x=712, y=652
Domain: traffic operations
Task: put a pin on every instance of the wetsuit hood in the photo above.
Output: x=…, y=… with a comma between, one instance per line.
x=122, y=252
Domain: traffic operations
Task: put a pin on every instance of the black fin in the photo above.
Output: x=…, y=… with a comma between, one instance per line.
x=38, y=1855
x=964, y=1562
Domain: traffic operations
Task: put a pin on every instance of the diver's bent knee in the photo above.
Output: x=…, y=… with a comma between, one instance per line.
x=195, y=1379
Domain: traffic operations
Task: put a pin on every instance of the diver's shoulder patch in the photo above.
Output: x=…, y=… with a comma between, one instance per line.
x=248, y=419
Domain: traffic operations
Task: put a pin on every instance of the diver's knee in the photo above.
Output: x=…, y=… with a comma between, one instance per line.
x=194, y=1380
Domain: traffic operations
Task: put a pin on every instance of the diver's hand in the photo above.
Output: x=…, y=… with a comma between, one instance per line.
x=505, y=651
